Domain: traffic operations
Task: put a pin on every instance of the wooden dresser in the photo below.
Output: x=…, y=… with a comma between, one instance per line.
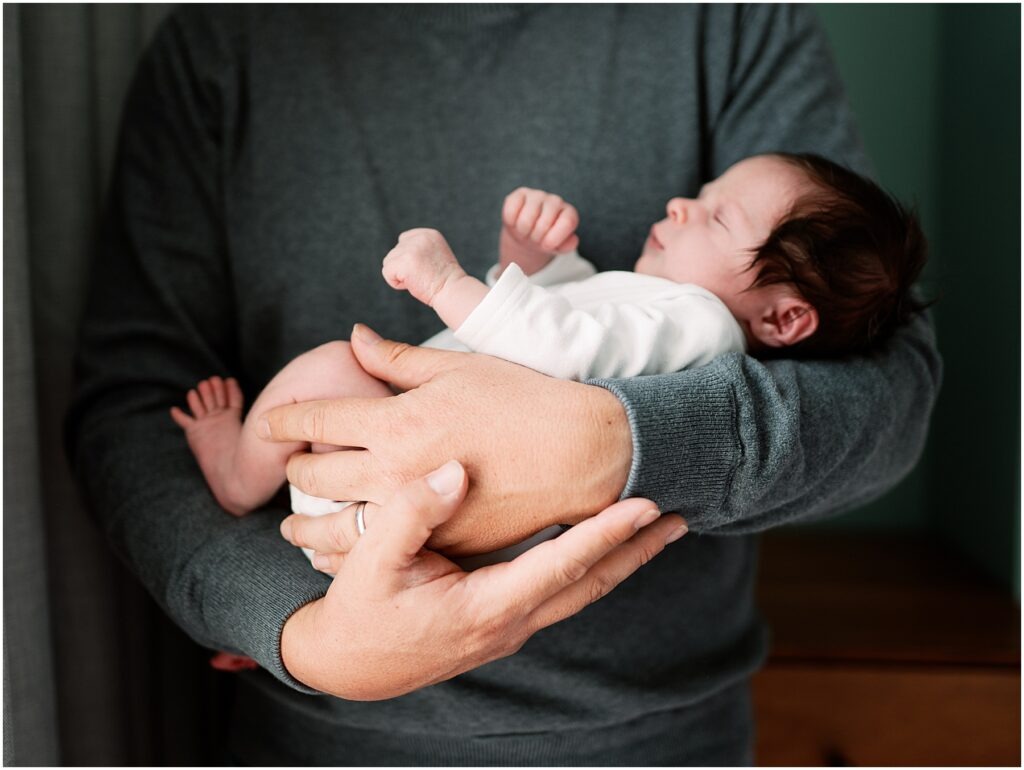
x=885, y=651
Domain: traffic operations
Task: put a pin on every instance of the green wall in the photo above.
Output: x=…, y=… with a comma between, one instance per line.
x=936, y=91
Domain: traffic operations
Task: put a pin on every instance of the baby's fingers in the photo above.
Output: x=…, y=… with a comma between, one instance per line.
x=551, y=207
x=527, y=217
x=513, y=205
x=560, y=236
x=569, y=244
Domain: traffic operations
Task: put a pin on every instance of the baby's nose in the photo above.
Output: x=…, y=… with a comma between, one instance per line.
x=677, y=210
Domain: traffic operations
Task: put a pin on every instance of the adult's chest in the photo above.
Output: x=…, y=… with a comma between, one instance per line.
x=338, y=147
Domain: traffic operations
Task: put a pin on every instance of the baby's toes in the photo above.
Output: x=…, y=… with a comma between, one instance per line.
x=181, y=419
x=206, y=393
x=234, y=394
x=220, y=396
x=195, y=403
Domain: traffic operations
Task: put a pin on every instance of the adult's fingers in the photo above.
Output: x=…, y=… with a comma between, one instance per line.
x=399, y=363
x=351, y=474
x=608, y=572
x=329, y=563
x=341, y=422
x=550, y=567
x=405, y=523
x=327, y=533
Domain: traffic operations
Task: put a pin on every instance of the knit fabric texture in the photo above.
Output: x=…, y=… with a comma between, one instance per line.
x=269, y=157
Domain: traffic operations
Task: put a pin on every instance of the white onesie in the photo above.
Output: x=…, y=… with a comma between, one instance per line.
x=569, y=321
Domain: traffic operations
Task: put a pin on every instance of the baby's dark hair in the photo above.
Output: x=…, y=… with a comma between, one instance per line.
x=852, y=251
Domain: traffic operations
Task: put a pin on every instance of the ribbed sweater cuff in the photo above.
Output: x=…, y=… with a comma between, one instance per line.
x=686, y=444
x=279, y=584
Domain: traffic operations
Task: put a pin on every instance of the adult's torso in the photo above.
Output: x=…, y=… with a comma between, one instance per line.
x=342, y=127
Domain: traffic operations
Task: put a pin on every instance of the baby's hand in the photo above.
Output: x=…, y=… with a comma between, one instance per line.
x=540, y=221
x=421, y=263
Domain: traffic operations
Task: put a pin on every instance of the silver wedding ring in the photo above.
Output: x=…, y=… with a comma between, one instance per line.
x=360, y=521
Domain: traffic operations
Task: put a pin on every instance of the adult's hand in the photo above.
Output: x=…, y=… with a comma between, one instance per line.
x=539, y=450
x=398, y=617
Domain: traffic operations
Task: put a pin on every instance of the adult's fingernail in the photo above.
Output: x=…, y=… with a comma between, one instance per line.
x=646, y=518
x=286, y=529
x=321, y=562
x=446, y=479
x=263, y=428
x=676, y=534
x=365, y=334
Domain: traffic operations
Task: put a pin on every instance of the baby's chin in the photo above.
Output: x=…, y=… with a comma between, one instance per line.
x=645, y=265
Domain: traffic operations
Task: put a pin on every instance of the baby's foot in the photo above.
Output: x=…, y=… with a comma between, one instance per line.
x=213, y=431
x=226, y=661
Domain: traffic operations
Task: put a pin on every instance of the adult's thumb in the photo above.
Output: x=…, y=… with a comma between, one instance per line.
x=403, y=365
x=403, y=525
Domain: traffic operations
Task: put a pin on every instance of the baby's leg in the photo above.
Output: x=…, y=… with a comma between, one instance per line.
x=244, y=471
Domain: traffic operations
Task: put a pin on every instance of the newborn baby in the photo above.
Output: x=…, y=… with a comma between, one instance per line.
x=781, y=253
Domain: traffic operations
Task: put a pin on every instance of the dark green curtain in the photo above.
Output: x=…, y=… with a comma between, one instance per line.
x=93, y=673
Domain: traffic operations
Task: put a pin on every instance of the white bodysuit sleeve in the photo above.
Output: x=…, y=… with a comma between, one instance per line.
x=677, y=327
x=566, y=267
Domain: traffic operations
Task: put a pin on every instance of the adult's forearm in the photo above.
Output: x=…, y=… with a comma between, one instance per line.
x=229, y=583
x=743, y=445
x=594, y=479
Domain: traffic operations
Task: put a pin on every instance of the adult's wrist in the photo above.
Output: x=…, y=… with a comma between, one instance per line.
x=298, y=645
x=606, y=437
x=686, y=442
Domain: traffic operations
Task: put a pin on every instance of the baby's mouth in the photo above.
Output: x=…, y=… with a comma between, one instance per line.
x=653, y=240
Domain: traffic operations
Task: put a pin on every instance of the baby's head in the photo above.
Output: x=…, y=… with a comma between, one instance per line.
x=804, y=253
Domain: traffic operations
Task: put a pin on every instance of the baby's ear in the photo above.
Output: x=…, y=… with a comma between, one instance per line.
x=786, y=322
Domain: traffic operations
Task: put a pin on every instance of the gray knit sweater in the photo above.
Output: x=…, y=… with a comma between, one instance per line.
x=270, y=156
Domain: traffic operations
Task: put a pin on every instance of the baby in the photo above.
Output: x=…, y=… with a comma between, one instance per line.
x=781, y=253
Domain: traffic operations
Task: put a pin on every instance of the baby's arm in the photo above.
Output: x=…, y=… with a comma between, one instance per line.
x=423, y=264
x=535, y=226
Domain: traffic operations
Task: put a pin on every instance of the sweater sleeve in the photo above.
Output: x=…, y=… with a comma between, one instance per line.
x=159, y=317
x=743, y=445
x=535, y=326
